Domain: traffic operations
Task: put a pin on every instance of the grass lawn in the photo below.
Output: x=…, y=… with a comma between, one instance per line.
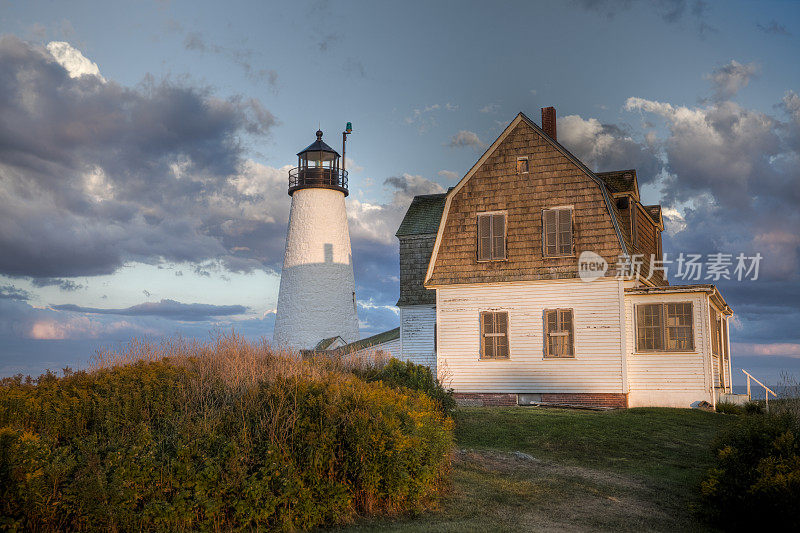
x=524, y=468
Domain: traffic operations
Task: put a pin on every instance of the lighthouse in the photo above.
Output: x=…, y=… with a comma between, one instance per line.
x=317, y=297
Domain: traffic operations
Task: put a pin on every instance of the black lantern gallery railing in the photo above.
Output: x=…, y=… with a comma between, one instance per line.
x=318, y=178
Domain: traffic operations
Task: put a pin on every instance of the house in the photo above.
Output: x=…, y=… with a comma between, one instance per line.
x=387, y=342
x=494, y=294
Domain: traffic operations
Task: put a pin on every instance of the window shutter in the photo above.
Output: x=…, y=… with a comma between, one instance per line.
x=498, y=236
x=501, y=341
x=550, y=327
x=564, y=231
x=566, y=327
x=484, y=237
x=550, y=232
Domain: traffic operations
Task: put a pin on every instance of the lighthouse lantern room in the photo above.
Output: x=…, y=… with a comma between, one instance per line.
x=316, y=299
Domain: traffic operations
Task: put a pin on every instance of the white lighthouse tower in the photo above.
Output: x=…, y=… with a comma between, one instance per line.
x=317, y=297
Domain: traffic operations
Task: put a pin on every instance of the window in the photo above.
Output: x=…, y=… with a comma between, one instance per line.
x=491, y=237
x=494, y=335
x=559, y=333
x=522, y=165
x=664, y=327
x=557, y=229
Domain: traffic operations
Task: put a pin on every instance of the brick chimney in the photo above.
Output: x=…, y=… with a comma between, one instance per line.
x=549, y=121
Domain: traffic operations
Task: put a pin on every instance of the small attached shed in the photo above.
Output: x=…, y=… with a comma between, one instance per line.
x=417, y=235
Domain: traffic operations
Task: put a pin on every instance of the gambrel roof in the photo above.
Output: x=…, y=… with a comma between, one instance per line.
x=603, y=189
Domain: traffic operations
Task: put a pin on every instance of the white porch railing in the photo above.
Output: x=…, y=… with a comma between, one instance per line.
x=767, y=390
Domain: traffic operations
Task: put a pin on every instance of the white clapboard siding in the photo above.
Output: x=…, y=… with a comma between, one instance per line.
x=417, y=330
x=664, y=378
x=596, y=367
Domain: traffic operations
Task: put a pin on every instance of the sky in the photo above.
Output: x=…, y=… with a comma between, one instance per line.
x=144, y=148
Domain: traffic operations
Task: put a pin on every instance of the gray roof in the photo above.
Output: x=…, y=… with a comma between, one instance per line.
x=380, y=338
x=423, y=215
x=324, y=343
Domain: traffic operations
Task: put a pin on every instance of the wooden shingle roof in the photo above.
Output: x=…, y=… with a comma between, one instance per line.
x=620, y=181
x=655, y=213
x=423, y=215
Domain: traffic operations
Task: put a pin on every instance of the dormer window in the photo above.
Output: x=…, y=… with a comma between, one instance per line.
x=557, y=232
x=491, y=236
x=522, y=165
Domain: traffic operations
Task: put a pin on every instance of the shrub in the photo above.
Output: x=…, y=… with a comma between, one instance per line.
x=756, y=475
x=228, y=436
x=753, y=408
x=398, y=373
x=730, y=408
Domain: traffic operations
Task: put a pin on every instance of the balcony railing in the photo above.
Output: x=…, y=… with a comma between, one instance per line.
x=318, y=177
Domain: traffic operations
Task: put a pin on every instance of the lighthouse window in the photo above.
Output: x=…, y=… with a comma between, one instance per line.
x=491, y=237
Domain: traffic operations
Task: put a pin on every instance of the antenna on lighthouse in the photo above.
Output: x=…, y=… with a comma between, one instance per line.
x=347, y=131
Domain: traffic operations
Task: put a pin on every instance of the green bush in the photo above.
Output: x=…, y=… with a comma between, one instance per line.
x=173, y=446
x=398, y=373
x=729, y=408
x=756, y=476
x=753, y=408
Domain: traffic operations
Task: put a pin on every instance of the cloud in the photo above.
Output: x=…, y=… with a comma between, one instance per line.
x=95, y=175
x=9, y=292
x=243, y=57
x=605, y=147
x=732, y=184
x=63, y=284
x=354, y=68
x=73, y=60
x=771, y=349
x=490, y=108
x=773, y=28
x=465, y=138
x=375, y=248
x=449, y=175
x=165, y=308
x=425, y=119
x=670, y=11
x=728, y=79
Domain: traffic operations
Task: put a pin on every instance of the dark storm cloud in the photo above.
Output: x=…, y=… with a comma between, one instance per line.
x=164, y=308
x=94, y=174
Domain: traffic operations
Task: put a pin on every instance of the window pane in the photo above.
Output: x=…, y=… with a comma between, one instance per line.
x=679, y=326
x=649, y=327
x=488, y=323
